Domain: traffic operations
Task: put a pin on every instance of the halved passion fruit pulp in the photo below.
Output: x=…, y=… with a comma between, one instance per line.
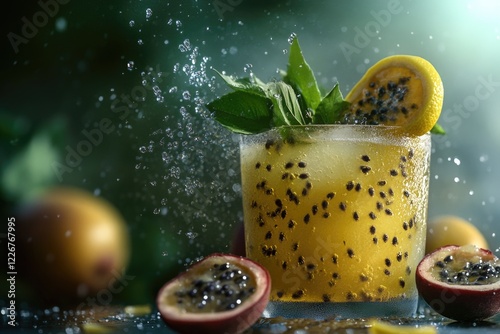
x=403, y=91
x=461, y=282
x=220, y=294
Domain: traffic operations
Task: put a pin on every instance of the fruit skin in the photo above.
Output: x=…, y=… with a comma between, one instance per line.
x=238, y=241
x=452, y=230
x=429, y=93
x=225, y=322
x=458, y=302
x=71, y=245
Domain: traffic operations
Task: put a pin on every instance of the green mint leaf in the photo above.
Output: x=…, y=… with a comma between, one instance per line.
x=243, y=112
x=330, y=107
x=438, y=129
x=300, y=76
x=244, y=84
x=286, y=108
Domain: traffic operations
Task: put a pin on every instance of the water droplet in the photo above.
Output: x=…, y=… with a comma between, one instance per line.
x=186, y=95
x=191, y=235
x=456, y=161
x=156, y=90
x=130, y=65
x=247, y=67
x=185, y=46
x=149, y=13
x=140, y=42
x=292, y=37
x=61, y=24
x=165, y=156
x=131, y=23
x=143, y=149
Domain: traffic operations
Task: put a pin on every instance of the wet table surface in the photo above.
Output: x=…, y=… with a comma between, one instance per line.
x=116, y=320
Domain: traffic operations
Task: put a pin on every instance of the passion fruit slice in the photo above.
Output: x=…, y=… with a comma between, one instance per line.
x=402, y=91
x=221, y=294
x=461, y=282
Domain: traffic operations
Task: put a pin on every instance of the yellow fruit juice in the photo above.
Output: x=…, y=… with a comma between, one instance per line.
x=336, y=213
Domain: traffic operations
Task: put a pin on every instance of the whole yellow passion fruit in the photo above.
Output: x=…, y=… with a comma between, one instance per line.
x=452, y=230
x=71, y=245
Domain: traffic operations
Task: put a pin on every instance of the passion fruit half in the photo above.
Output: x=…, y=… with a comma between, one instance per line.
x=402, y=91
x=221, y=294
x=461, y=282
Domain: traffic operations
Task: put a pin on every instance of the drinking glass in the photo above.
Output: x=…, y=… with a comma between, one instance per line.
x=337, y=214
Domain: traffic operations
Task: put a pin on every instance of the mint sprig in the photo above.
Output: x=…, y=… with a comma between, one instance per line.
x=255, y=106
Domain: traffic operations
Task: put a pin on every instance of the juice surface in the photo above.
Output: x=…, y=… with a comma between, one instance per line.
x=337, y=218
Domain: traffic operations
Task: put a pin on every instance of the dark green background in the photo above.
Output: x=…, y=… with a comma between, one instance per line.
x=180, y=197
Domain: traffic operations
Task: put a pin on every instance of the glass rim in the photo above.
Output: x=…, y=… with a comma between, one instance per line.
x=360, y=130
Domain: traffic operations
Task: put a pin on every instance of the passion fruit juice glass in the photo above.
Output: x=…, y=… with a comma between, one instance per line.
x=337, y=214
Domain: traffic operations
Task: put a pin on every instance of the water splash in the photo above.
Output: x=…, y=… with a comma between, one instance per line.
x=199, y=159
